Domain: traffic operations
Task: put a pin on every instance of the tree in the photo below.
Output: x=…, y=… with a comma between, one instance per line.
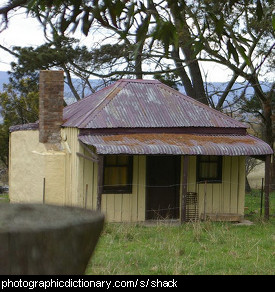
x=172, y=37
x=19, y=106
x=187, y=31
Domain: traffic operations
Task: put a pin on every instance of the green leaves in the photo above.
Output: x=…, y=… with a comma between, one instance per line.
x=232, y=51
x=235, y=50
x=259, y=10
x=166, y=32
x=197, y=47
x=142, y=30
x=19, y=106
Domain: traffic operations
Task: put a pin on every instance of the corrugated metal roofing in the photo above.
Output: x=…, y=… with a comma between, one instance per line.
x=177, y=144
x=143, y=104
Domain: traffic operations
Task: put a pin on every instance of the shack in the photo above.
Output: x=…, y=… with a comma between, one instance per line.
x=136, y=150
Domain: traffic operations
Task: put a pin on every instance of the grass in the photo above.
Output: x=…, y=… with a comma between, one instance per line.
x=202, y=248
x=193, y=249
x=253, y=205
x=4, y=198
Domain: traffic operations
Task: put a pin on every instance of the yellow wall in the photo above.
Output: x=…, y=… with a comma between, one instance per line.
x=72, y=180
x=72, y=171
x=128, y=207
x=32, y=163
x=26, y=169
x=221, y=198
x=226, y=197
x=81, y=184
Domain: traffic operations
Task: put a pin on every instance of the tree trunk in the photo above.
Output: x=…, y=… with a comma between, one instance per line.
x=247, y=186
x=269, y=135
x=186, y=47
x=186, y=82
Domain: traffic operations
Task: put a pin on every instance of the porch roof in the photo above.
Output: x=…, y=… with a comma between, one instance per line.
x=177, y=144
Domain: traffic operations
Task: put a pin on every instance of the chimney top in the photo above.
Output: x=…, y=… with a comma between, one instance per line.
x=51, y=95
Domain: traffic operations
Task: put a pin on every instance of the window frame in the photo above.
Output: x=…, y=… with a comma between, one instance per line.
x=208, y=179
x=119, y=189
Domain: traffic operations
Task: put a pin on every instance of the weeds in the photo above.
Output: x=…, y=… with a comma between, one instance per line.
x=192, y=248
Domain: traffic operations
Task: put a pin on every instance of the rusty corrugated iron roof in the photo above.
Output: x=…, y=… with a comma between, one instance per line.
x=177, y=144
x=143, y=104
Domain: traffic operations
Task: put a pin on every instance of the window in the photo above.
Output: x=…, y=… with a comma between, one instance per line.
x=118, y=173
x=209, y=168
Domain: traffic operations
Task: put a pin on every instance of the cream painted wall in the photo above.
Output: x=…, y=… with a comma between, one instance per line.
x=222, y=198
x=32, y=163
x=81, y=184
x=26, y=169
x=226, y=197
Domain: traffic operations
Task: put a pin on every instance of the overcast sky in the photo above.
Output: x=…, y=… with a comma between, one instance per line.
x=21, y=31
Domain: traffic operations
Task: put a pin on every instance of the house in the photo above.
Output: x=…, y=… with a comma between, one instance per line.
x=136, y=150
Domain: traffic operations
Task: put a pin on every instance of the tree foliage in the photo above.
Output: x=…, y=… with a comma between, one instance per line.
x=156, y=37
x=18, y=106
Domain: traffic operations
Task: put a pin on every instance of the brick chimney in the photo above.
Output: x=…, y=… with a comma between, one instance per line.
x=51, y=88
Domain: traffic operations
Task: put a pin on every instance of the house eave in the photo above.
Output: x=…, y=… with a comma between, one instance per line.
x=176, y=144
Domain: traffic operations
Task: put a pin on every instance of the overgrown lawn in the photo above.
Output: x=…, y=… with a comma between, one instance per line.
x=195, y=248
x=207, y=248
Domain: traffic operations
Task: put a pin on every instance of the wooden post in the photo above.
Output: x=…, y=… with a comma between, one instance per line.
x=86, y=196
x=99, y=182
x=267, y=185
x=262, y=195
x=204, y=201
x=184, y=188
x=44, y=185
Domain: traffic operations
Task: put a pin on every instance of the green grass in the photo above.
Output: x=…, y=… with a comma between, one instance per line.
x=253, y=205
x=203, y=248
x=191, y=249
x=4, y=198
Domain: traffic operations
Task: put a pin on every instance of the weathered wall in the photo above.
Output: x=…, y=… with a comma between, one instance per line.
x=72, y=170
x=26, y=169
x=226, y=197
x=55, y=177
x=81, y=184
x=32, y=163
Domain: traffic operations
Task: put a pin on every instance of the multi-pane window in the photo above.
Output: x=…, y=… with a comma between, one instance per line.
x=209, y=168
x=118, y=173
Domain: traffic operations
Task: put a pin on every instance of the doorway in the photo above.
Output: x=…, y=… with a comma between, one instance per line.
x=162, y=187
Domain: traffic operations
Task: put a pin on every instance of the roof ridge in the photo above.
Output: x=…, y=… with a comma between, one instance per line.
x=194, y=101
x=140, y=80
x=117, y=88
x=84, y=99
